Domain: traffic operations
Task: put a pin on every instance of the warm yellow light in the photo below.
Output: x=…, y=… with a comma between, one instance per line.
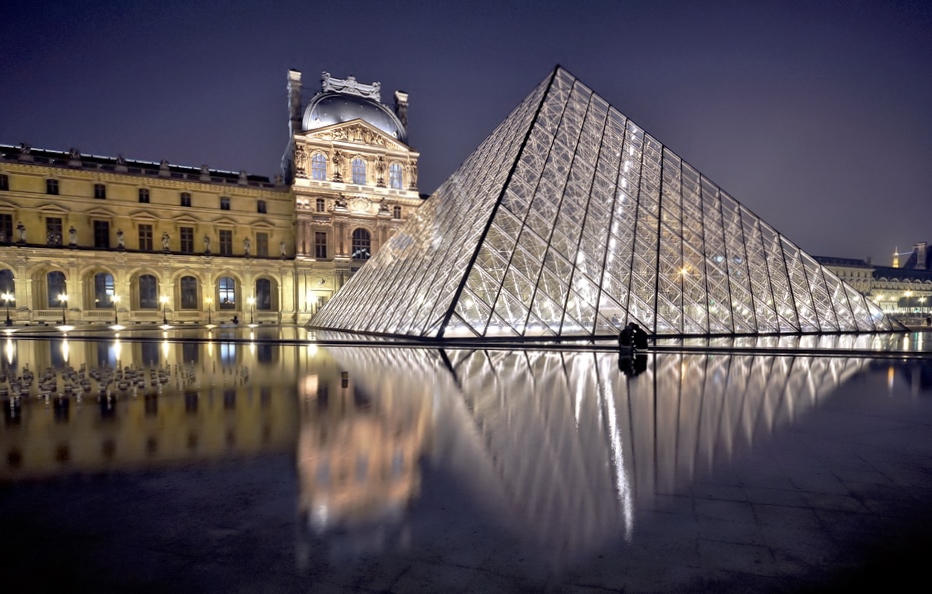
x=7, y=296
x=115, y=298
x=163, y=299
x=62, y=297
x=251, y=300
x=684, y=270
x=909, y=293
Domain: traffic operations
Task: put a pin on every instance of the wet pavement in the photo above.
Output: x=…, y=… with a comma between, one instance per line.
x=264, y=468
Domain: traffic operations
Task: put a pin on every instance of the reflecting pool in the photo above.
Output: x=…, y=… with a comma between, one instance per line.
x=242, y=459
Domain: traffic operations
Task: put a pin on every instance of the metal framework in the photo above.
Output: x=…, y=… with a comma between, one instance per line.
x=570, y=221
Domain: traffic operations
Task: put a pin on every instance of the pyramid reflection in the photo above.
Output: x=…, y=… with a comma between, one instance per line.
x=564, y=449
x=570, y=220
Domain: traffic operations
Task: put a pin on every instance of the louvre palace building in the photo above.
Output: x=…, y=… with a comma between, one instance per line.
x=98, y=239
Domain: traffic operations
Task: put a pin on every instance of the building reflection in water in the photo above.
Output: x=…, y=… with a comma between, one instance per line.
x=560, y=449
x=175, y=404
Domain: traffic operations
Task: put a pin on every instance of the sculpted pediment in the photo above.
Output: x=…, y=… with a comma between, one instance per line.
x=356, y=131
x=52, y=209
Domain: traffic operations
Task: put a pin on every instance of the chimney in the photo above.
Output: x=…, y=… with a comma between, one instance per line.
x=921, y=255
x=294, y=102
x=401, y=107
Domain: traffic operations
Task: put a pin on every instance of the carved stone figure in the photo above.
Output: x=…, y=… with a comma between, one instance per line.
x=205, y=170
x=21, y=232
x=279, y=179
x=300, y=162
x=380, y=172
x=165, y=241
x=337, y=160
x=72, y=236
x=341, y=202
x=25, y=149
x=121, y=241
x=163, y=164
x=2, y=236
x=120, y=160
x=247, y=244
x=413, y=172
x=383, y=206
x=74, y=153
x=206, y=244
x=283, y=248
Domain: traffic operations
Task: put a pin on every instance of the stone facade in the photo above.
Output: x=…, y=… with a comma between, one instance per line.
x=85, y=238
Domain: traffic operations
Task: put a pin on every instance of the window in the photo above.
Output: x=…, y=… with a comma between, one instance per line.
x=226, y=293
x=55, y=281
x=396, y=212
x=144, y=195
x=319, y=167
x=361, y=244
x=394, y=176
x=51, y=186
x=320, y=245
x=264, y=294
x=6, y=228
x=260, y=206
x=359, y=171
x=187, y=240
x=185, y=199
x=188, y=294
x=4, y=182
x=224, y=203
x=148, y=292
x=102, y=234
x=262, y=245
x=321, y=204
x=103, y=290
x=226, y=242
x=100, y=191
x=52, y=231
x=145, y=238
x=7, y=285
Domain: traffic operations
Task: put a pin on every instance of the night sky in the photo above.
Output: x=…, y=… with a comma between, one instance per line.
x=815, y=115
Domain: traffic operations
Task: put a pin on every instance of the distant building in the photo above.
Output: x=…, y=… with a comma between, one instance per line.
x=92, y=238
x=904, y=290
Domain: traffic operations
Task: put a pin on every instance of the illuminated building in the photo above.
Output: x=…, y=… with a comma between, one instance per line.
x=570, y=220
x=104, y=239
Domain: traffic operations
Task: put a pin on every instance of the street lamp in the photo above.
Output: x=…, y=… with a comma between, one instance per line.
x=210, y=302
x=7, y=297
x=252, y=310
x=164, y=300
x=115, y=299
x=64, y=302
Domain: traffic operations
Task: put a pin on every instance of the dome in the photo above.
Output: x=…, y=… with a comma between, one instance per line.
x=331, y=108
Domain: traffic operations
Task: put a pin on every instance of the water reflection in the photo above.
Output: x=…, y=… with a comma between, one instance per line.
x=560, y=449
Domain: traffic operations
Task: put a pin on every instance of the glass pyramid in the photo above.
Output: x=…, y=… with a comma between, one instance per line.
x=570, y=220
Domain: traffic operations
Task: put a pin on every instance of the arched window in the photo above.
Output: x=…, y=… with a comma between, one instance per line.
x=148, y=292
x=103, y=290
x=7, y=285
x=226, y=293
x=319, y=167
x=394, y=176
x=56, y=286
x=188, y=293
x=361, y=243
x=264, y=294
x=359, y=171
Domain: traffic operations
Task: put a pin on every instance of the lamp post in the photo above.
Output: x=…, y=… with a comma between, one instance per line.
x=210, y=302
x=909, y=295
x=115, y=299
x=64, y=303
x=252, y=308
x=7, y=297
x=164, y=300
